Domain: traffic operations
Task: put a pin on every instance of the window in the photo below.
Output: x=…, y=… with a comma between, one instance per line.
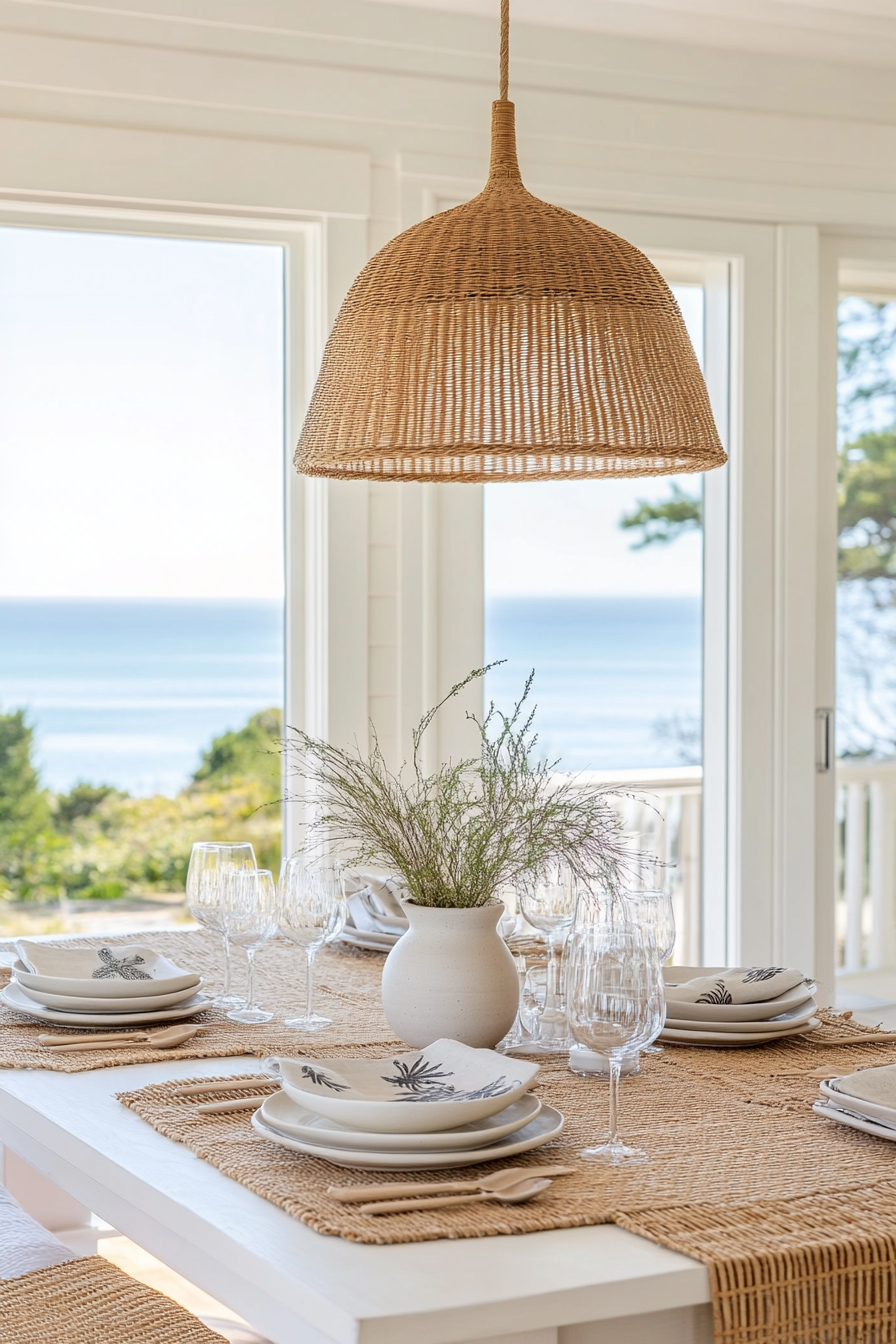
x=598, y=587
x=866, y=626
x=141, y=566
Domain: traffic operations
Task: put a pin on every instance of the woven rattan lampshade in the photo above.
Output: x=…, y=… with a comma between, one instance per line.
x=512, y=340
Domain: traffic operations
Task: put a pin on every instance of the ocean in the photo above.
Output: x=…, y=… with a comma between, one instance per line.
x=617, y=679
x=130, y=692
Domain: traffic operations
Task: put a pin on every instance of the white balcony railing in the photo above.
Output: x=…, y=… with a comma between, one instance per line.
x=866, y=852
x=666, y=810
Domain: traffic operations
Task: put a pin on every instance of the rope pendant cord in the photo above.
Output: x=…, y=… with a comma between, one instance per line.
x=505, y=49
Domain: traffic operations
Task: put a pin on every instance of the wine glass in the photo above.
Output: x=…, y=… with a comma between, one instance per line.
x=312, y=912
x=251, y=914
x=549, y=904
x=210, y=863
x=515, y=1035
x=653, y=910
x=614, y=1006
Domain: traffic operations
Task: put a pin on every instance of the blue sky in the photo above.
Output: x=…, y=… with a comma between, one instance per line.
x=140, y=416
x=141, y=436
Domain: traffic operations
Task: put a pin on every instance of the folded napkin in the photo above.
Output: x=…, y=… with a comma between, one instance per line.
x=374, y=901
x=875, y=1085
x=95, y=963
x=752, y=984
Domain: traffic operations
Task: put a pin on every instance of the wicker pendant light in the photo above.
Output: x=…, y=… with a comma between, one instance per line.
x=508, y=340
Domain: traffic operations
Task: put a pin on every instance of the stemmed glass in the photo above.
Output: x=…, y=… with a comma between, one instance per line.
x=210, y=865
x=549, y=904
x=614, y=1006
x=653, y=910
x=251, y=916
x=312, y=912
x=515, y=1035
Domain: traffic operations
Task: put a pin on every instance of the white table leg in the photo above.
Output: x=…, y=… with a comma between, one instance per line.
x=50, y=1206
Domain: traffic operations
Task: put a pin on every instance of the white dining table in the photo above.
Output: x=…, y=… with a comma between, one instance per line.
x=591, y=1285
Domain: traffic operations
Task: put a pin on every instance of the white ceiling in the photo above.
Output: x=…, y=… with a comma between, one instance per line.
x=862, y=31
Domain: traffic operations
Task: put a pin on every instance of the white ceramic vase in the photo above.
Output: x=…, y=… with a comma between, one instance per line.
x=451, y=976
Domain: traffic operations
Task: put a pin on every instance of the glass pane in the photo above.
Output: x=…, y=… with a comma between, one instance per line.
x=866, y=633
x=597, y=586
x=141, y=567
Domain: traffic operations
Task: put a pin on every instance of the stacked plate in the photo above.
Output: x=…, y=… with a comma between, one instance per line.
x=375, y=918
x=445, y=1106
x=700, y=1010
x=865, y=1100
x=100, y=986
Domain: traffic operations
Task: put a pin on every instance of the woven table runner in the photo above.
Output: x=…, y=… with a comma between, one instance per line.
x=346, y=988
x=794, y=1216
x=90, y=1301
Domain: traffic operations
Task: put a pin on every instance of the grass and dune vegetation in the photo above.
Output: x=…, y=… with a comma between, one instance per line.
x=98, y=843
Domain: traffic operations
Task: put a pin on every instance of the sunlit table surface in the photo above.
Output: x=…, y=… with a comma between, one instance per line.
x=596, y=1285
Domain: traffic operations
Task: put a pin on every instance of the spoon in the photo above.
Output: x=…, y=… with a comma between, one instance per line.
x=157, y=1040
x=514, y=1194
x=498, y=1180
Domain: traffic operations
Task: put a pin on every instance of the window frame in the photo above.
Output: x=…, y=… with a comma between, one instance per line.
x=303, y=337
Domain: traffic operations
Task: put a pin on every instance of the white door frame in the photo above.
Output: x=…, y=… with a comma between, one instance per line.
x=766, y=898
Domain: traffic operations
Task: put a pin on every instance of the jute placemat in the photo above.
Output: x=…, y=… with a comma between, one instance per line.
x=347, y=989
x=795, y=1216
x=90, y=1301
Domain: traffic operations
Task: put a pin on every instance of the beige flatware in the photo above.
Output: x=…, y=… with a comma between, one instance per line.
x=231, y=1085
x=93, y=1036
x=515, y=1194
x=499, y=1180
x=156, y=1040
x=881, y=1038
x=805, y=1073
x=234, y=1104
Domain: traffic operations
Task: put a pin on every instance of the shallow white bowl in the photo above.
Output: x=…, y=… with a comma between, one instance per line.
x=444, y=1085
x=11, y=996
x=285, y=1115
x=166, y=978
x=765, y=1027
x=82, y=1004
x=722, y=1040
x=854, y=1121
x=545, y=1127
x=885, y=1115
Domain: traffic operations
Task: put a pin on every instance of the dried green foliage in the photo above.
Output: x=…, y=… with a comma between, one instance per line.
x=456, y=835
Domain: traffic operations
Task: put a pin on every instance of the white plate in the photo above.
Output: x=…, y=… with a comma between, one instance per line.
x=162, y=976
x=146, y=1004
x=374, y=942
x=546, y=1126
x=282, y=1113
x=444, y=1085
x=854, y=1121
x=782, y=1023
x=12, y=996
x=737, y=1012
x=677, y=1036
x=884, y=1114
